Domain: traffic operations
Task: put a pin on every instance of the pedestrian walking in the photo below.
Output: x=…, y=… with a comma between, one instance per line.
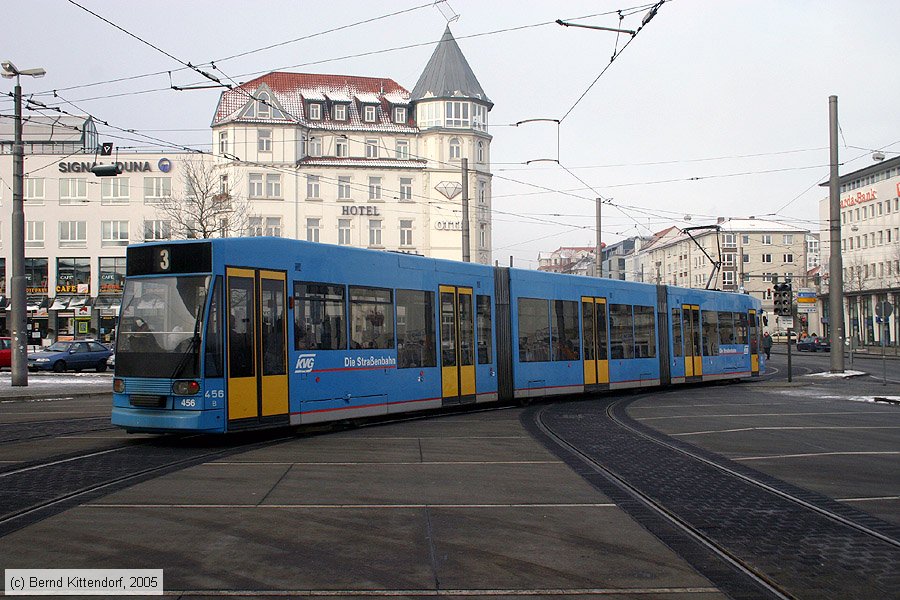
x=767, y=344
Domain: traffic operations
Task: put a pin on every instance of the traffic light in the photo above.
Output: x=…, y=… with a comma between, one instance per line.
x=112, y=170
x=783, y=299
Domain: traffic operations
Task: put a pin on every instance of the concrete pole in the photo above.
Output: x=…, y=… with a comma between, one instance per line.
x=599, y=249
x=17, y=283
x=835, y=264
x=466, y=248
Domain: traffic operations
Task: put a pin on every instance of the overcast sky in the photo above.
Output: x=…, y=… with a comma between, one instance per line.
x=715, y=108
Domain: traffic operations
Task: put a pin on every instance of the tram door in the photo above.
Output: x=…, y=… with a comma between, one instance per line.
x=690, y=325
x=596, y=335
x=457, y=345
x=753, y=332
x=257, y=348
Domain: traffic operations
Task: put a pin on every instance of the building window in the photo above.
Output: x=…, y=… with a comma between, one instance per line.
x=264, y=140
x=375, y=232
x=479, y=151
x=256, y=185
x=457, y=114
x=788, y=258
x=312, y=230
x=406, y=188
x=455, y=149
x=371, y=148
x=406, y=234
x=745, y=239
x=482, y=192
x=374, y=188
x=223, y=185
x=157, y=189
x=312, y=186
x=114, y=233
x=727, y=277
x=263, y=110
x=482, y=236
x=72, y=234
x=72, y=273
x=114, y=190
x=767, y=258
x=728, y=240
x=369, y=114
x=746, y=258
x=480, y=117
x=112, y=275
x=72, y=190
x=223, y=142
x=788, y=239
x=344, y=232
x=767, y=239
x=273, y=186
x=343, y=187
x=400, y=114
x=315, y=146
x=402, y=149
x=341, y=148
x=264, y=226
x=34, y=234
x=315, y=111
x=729, y=259
x=429, y=114
x=157, y=230
x=34, y=189
x=339, y=112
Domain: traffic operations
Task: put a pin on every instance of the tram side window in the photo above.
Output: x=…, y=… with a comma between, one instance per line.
x=534, y=330
x=415, y=329
x=644, y=332
x=677, y=343
x=565, y=343
x=319, y=316
x=753, y=333
x=272, y=327
x=214, y=344
x=740, y=328
x=371, y=318
x=726, y=329
x=485, y=331
x=621, y=331
x=709, y=327
x=241, y=338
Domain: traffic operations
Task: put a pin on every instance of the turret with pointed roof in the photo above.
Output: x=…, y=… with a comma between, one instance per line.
x=448, y=75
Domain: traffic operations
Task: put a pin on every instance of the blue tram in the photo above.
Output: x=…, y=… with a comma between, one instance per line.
x=243, y=333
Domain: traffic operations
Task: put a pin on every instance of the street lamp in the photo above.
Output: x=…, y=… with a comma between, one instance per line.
x=19, y=365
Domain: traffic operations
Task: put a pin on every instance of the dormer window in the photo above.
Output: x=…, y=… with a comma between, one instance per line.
x=339, y=112
x=369, y=114
x=315, y=111
x=263, y=106
x=400, y=114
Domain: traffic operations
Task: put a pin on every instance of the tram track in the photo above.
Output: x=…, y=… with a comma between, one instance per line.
x=766, y=535
x=32, y=492
x=32, y=430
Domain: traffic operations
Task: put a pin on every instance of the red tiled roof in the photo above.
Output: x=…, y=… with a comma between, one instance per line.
x=290, y=90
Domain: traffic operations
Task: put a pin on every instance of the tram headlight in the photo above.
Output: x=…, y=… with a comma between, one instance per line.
x=118, y=385
x=185, y=388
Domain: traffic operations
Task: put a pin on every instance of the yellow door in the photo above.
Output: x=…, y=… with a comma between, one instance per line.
x=690, y=324
x=256, y=347
x=273, y=336
x=457, y=344
x=596, y=336
x=752, y=333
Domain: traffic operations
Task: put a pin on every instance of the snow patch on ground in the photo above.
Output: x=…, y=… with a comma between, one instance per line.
x=890, y=399
x=47, y=380
x=844, y=375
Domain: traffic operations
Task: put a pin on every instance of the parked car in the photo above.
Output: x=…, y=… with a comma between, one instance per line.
x=782, y=336
x=814, y=344
x=5, y=352
x=111, y=361
x=77, y=355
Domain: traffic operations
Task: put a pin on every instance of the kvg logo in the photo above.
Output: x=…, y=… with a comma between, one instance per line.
x=305, y=363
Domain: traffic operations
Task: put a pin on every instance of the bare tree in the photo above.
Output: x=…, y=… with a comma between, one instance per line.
x=208, y=206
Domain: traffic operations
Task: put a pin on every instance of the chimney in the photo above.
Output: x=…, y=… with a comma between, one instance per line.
x=720, y=220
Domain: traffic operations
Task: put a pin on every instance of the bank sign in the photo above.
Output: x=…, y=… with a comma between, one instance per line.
x=858, y=197
x=133, y=166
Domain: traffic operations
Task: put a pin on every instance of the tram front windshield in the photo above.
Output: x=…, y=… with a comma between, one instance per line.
x=160, y=324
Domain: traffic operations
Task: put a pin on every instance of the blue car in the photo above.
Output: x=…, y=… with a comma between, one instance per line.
x=63, y=356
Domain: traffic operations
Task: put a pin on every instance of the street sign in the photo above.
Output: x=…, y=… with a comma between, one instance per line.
x=806, y=308
x=884, y=309
x=787, y=322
